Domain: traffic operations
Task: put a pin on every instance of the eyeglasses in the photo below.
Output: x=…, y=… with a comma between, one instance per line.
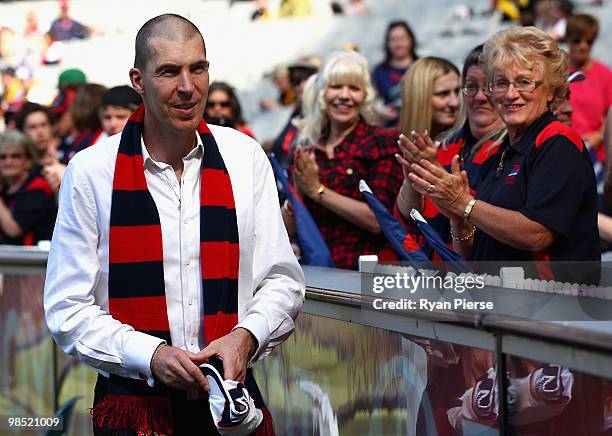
x=501, y=86
x=223, y=104
x=471, y=89
x=13, y=156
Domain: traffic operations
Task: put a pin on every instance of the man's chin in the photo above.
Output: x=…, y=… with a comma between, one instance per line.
x=187, y=125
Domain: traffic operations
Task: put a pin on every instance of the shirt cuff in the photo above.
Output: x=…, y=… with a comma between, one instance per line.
x=258, y=326
x=138, y=348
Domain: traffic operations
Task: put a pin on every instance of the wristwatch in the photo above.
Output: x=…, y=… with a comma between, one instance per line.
x=468, y=209
x=320, y=193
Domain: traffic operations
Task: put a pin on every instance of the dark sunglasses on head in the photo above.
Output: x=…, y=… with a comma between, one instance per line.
x=297, y=76
x=223, y=104
x=14, y=156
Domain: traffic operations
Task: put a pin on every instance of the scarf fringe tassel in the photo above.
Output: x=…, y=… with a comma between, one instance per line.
x=266, y=428
x=144, y=415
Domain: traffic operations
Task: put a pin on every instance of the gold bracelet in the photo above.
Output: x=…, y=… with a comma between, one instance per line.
x=464, y=238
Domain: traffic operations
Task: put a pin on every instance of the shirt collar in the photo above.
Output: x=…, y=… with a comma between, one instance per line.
x=196, y=153
x=528, y=139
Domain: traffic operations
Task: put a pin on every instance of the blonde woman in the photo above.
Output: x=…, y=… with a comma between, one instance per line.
x=475, y=137
x=430, y=106
x=537, y=196
x=339, y=144
x=430, y=97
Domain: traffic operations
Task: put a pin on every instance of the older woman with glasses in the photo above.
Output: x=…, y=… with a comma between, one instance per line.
x=475, y=137
x=536, y=197
x=27, y=203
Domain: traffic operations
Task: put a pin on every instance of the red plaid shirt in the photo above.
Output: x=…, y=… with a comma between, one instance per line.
x=367, y=153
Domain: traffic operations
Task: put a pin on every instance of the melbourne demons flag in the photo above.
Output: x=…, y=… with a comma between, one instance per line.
x=310, y=240
x=453, y=260
x=396, y=233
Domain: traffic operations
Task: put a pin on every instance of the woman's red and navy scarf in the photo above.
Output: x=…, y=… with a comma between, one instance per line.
x=136, y=288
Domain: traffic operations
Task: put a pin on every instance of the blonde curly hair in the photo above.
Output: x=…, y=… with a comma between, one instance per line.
x=530, y=48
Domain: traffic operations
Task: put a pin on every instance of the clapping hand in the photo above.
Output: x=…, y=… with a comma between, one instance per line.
x=414, y=149
x=306, y=173
x=450, y=192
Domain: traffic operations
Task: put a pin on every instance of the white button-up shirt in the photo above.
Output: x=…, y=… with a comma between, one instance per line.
x=270, y=281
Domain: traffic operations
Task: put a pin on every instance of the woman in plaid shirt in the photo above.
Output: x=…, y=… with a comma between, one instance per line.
x=339, y=144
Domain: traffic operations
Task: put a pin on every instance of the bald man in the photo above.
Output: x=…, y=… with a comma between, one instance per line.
x=169, y=249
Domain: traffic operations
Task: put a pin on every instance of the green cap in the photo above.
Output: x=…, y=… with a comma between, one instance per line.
x=72, y=76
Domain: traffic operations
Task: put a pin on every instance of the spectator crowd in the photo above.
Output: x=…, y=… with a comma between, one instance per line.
x=505, y=155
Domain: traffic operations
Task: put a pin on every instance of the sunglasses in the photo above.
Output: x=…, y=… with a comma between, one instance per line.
x=14, y=156
x=223, y=104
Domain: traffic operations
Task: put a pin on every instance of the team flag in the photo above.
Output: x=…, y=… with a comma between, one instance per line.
x=314, y=249
x=405, y=245
x=453, y=260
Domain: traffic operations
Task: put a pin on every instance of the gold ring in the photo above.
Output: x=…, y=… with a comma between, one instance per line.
x=431, y=188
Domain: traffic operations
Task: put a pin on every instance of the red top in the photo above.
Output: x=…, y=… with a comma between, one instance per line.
x=367, y=153
x=591, y=99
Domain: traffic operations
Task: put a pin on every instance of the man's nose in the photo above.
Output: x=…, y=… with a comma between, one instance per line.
x=184, y=82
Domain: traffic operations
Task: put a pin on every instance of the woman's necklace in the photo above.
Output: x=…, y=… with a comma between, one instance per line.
x=500, y=165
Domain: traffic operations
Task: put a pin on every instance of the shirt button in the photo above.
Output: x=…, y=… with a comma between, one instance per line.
x=187, y=262
x=191, y=341
x=190, y=301
x=186, y=220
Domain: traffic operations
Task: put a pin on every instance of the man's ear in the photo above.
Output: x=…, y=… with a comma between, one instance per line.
x=136, y=80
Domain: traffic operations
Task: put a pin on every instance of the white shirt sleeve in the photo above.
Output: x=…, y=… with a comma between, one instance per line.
x=277, y=276
x=72, y=298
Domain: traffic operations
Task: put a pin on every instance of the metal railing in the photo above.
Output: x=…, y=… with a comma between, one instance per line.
x=336, y=296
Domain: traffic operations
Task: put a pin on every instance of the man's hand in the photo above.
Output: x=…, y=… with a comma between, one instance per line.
x=234, y=349
x=175, y=368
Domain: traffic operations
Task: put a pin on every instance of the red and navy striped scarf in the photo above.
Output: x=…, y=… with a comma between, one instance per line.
x=136, y=288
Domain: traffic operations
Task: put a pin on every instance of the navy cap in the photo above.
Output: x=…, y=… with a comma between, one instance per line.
x=123, y=96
